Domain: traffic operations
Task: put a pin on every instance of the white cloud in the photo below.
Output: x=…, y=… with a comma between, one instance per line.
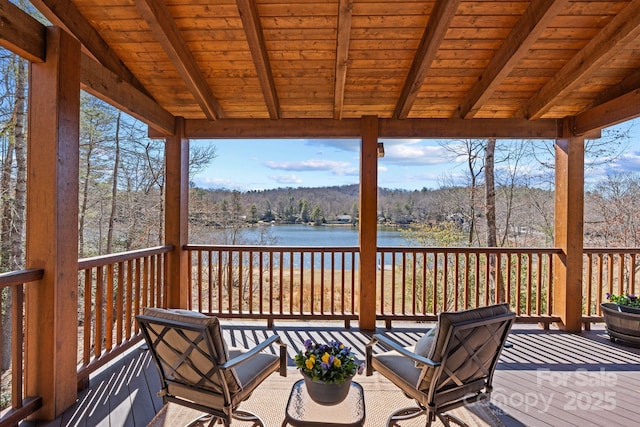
x=286, y=179
x=416, y=153
x=314, y=165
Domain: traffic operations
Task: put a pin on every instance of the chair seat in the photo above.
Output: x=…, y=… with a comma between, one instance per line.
x=399, y=370
x=250, y=374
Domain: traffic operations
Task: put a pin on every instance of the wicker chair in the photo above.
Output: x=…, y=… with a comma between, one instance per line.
x=197, y=369
x=455, y=368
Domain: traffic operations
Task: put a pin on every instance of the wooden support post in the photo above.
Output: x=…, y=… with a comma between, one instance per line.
x=368, y=222
x=51, y=343
x=569, y=210
x=176, y=216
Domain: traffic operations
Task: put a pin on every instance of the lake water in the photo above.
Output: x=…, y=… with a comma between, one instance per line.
x=306, y=235
x=323, y=236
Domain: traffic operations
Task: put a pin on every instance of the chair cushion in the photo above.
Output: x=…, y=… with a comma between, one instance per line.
x=445, y=320
x=251, y=374
x=425, y=343
x=219, y=346
x=401, y=371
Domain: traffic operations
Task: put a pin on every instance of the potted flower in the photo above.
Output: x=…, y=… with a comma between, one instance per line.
x=327, y=370
x=622, y=317
x=627, y=303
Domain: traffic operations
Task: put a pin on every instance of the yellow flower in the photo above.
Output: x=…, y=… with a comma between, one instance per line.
x=310, y=362
x=337, y=362
x=341, y=346
x=325, y=357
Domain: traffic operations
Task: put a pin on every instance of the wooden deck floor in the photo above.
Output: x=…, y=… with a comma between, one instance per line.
x=549, y=378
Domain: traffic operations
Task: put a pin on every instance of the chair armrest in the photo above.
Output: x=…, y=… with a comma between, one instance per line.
x=244, y=357
x=377, y=338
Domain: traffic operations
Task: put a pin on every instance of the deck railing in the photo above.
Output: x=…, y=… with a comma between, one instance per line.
x=412, y=283
x=418, y=283
x=608, y=270
x=113, y=289
x=274, y=281
x=19, y=406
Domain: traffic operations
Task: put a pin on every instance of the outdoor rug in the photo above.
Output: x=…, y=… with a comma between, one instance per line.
x=381, y=398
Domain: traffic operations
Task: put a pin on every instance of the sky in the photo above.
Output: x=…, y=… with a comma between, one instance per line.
x=408, y=164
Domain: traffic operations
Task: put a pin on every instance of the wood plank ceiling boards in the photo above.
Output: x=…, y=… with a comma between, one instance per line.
x=314, y=65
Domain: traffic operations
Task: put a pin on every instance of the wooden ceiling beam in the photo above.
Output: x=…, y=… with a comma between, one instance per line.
x=164, y=28
x=517, y=44
x=108, y=86
x=20, y=33
x=628, y=84
x=389, y=128
x=613, y=37
x=25, y=36
x=439, y=21
x=615, y=111
x=342, y=55
x=255, y=37
x=66, y=15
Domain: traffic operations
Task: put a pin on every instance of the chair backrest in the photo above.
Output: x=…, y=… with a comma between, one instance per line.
x=188, y=349
x=468, y=345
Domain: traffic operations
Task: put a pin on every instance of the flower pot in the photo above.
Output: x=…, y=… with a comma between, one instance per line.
x=622, y=322
x=327, y=394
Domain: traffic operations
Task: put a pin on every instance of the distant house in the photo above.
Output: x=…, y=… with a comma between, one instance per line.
x=344, y=219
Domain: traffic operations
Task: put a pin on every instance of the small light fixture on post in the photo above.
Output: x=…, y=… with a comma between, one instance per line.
x=380, y=149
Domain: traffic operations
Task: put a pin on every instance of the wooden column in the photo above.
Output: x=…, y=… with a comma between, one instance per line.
x=51, y=343
x=176, y=216
x=569, y=210
x=368, y=221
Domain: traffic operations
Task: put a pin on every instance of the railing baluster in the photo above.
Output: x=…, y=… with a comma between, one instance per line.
x=199, y=280
x=152, y=281
x=271, y=282
x=508, y=279
x=529, y=284
x=632, y=274
x=209, y=281
x=487, y=278
x=145, y=282
x=434, y=307
x=120, y=303
x=281, y=280
x=539, y=285
x=128, y=313
x=17, y=342
x=467, y=281
x=456, y=282
x=109, y=320
x=220, y=296
x=519, y=284
x=240, y=282
x=477, y=280
x=621, y=289
x=313, y=291
x=424, y=283
x=86, y=323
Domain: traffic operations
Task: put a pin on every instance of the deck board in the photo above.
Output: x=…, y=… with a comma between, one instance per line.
x=547, y=378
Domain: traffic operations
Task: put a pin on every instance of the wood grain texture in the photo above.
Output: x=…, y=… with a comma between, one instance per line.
x=317, y=60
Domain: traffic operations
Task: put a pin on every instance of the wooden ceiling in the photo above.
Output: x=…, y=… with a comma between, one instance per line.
x=450, y=60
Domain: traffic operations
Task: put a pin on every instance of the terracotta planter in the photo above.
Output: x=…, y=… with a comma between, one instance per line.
x=623, y=323
x=327, y=394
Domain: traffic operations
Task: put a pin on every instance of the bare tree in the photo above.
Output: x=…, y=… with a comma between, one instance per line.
x=472, y=151
x=14, y=206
